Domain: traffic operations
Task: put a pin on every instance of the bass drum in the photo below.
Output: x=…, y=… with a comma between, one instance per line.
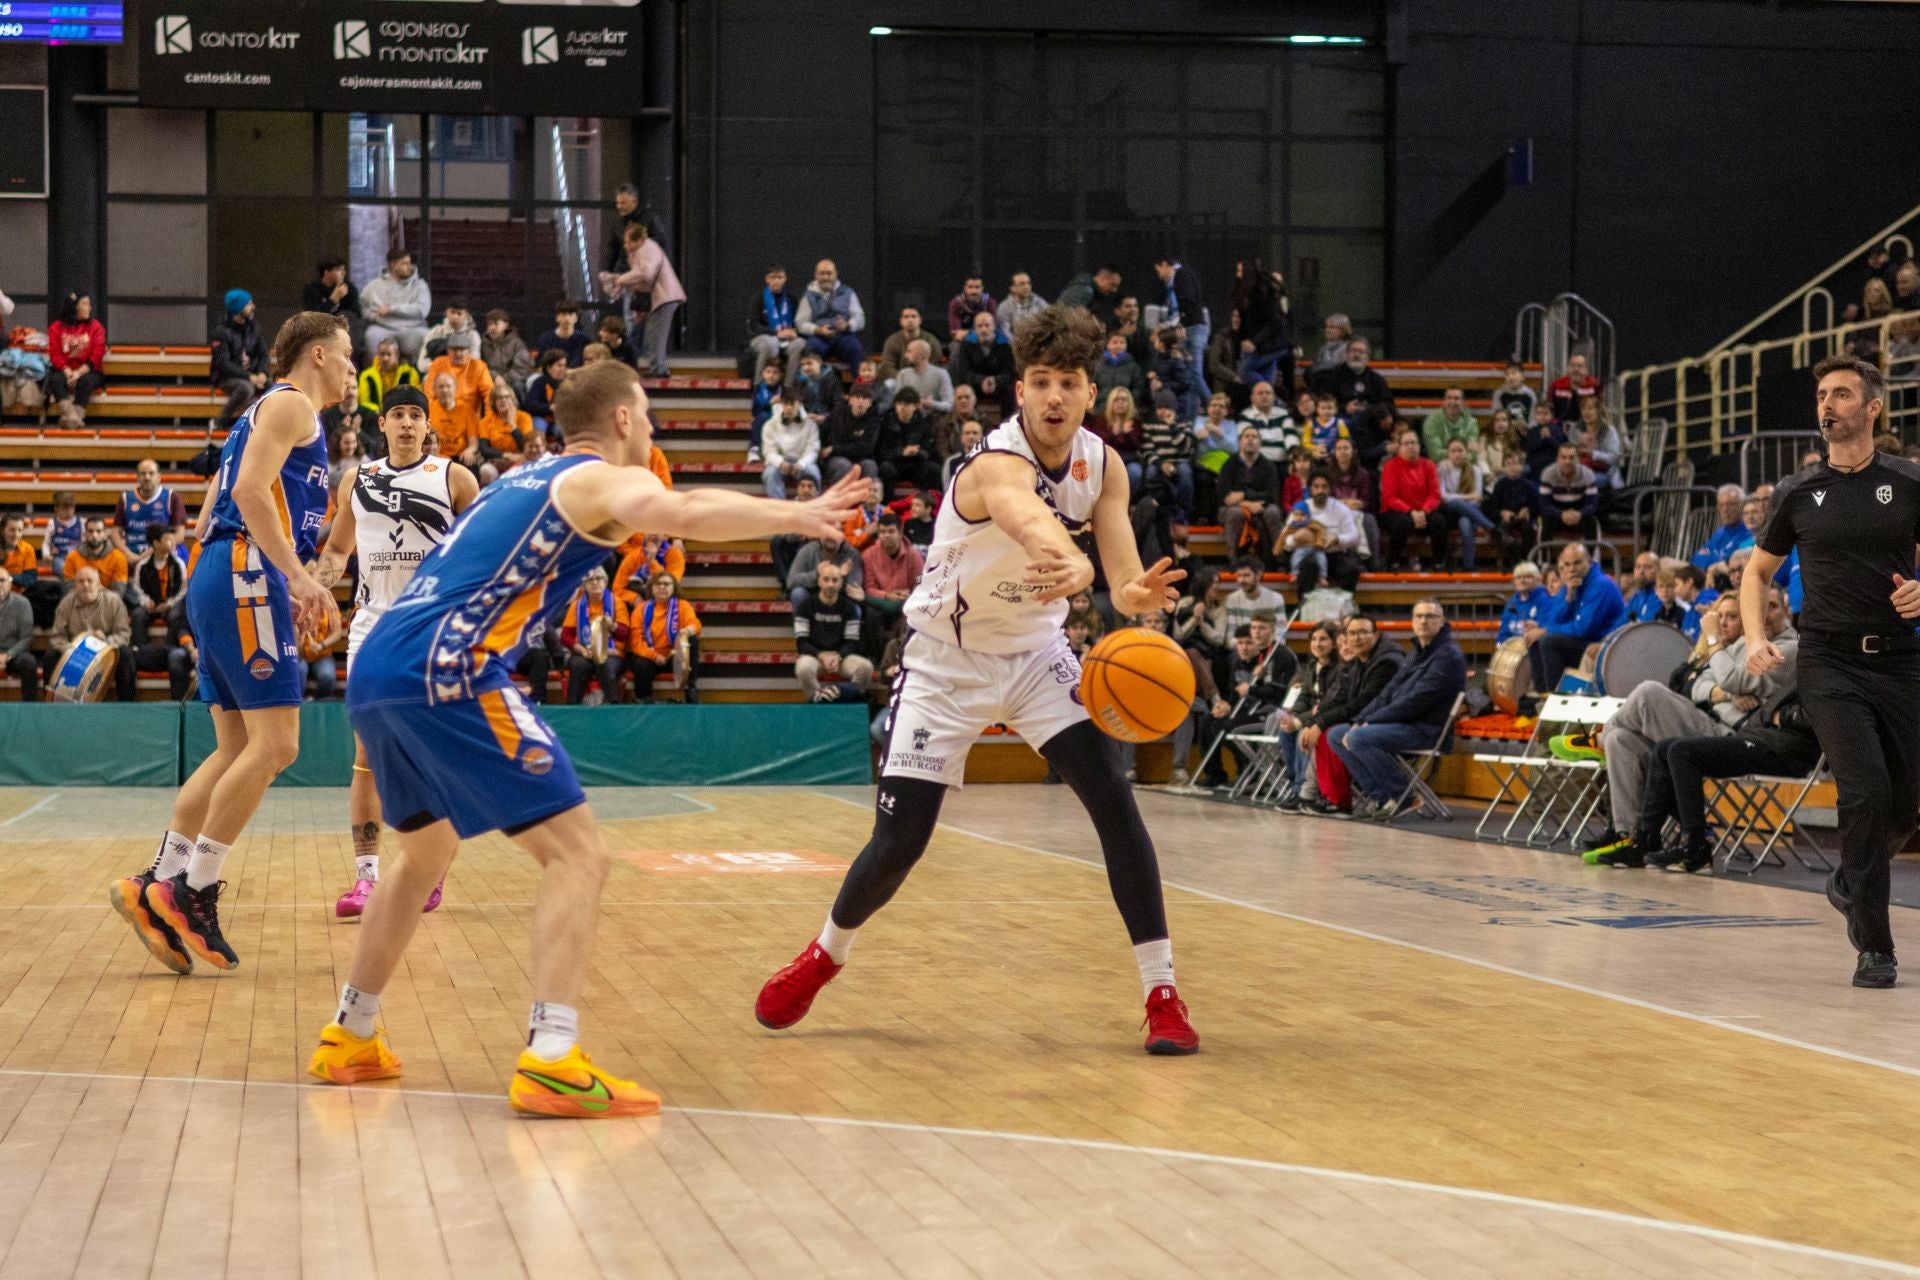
x=1509, y=675
x=83, y=673
x=1638, y=652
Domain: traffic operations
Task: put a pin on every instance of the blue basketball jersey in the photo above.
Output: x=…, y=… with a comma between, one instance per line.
x=299, y=491
x=509, y=563
x=139, y=515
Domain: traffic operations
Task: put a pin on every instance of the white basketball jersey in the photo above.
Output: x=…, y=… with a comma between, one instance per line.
x=972, y=594
x=400, y=514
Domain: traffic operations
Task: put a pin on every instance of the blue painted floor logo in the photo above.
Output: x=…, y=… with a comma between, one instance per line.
x=1533, y=903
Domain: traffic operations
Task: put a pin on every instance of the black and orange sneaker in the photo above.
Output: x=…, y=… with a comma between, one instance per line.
x=194, y=915
x=789, y=993
x=128, y=895
x=1168, y=1030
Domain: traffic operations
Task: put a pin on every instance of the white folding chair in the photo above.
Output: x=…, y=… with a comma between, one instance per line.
x=1758, y=809
x=1560, y=796
x=1420, y=766
x=1263, y=777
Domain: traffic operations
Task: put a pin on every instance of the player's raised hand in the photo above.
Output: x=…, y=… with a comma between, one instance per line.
x=1152, y=590
x=830, y=512
x=1059, y=576
x=1906, y=597
x=1763, y=657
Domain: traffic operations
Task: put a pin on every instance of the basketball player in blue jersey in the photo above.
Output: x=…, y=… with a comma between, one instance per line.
x=249, y=598
x=457, y=751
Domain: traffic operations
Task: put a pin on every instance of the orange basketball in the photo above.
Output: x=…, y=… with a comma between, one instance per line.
x=1137, y=685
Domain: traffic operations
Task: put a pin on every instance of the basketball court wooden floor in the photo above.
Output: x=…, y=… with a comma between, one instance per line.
x=1420, y=1058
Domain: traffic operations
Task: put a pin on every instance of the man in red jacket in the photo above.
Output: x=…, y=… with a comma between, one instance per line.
x=1409, y=496
x=1569, y=390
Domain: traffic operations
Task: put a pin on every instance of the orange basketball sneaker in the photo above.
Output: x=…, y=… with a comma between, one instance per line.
x=345, y=1058
x=573, y=1088
x=1168, y=1030
x=789, y=993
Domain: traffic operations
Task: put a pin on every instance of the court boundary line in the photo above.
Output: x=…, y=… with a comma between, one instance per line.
x=35, y=807
x=1494, y=966
x=1612, y=1216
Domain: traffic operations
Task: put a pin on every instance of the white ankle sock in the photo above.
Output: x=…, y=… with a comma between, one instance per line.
x=366, y=852
x=171, y=860
x=203, y=868
x=358, y=1009
x=1156, y=963
x=367, y=867
x=552, y=1030
x=836, y=942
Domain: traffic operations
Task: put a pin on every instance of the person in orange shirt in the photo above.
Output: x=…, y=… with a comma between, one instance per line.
x=864, y=524
x=506, y=426
x=644, y=557
x=96, y=551
x=470, y=373
x=665, y=635
x=595, y=600
x=455, y=425
x=22, y=563
x=658, y=464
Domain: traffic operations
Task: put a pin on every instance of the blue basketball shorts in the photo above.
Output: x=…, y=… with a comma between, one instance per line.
x=241, y=617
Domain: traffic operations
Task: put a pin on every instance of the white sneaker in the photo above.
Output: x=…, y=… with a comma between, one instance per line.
x=753, y=457
x=1181, y=778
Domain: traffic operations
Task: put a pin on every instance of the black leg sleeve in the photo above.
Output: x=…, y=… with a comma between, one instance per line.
x=1090, y=763
x=906, y=810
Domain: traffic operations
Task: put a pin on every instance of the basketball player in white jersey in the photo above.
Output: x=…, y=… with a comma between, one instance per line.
x=988, y=647
x=392, y=511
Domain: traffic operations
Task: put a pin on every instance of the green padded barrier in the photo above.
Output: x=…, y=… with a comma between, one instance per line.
x=326, y=744
x=92, y=744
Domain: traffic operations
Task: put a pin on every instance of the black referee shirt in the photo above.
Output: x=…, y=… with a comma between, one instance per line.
x=1855, y=531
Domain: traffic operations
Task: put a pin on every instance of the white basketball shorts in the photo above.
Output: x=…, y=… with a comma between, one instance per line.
x=945, y=696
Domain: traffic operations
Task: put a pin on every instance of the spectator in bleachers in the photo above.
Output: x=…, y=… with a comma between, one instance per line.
x=1370, y=662
x=98, y=552
x=1711, y=701
x=642, y=558
x=148, y=503
x=565, y=335
x=472, y=381
x=320, y=665
x=1732, y=532
x=239, y=364
x=771, y=335
x=1570, y=388
x=1906, y=286
x=350, y=416
x=803, y=575
x=1021, y=303
x=883, y=387
x=1215, y=438
x=162, y=570
x=972, y=299
x=1353, y=488
x=826, y=632
x=1599, y=442
x=1261, y=331
x=1407, y=715
x=1279, y=434
x=1251, y=596
x=1528, y=603
x=1250, y=495
x=830, y=318
x=455, y=425
x=863, y=526
x=1410, y=502
x=1311, y=680
x=918, y=526
x=550, y=372
x=612, y=334
x=659, y=626
x=785, y=547
x=1220, y=363
x=1127, y=324
x=92, y=609
x=506, y=426
x=1200, y=618
x=765, y=401
x=1502, y=437
x=1543, y=439
x=1514, y=395
x=386, y=372
x=851, y=437
x=455, y=320
x=331, y=293
x=1374, y=432
x=1166, y=457
x=505, y=352
x=594, y=631
x=1450, y=421
x=1323, y=427
x=971, y=435
x=1293, y=485
x=906, y=446
x=1249, y=681
x=966, y=408
x=1098, y=292
x=22, y=564
x=1173, y=370
x=1569, y=499
x=1463, y=487
x=891, y=568
x=1337, y=331
x=790, y=445
x=650, y=275
x=65, y=532
x=819, y=386
x=1322, y=539
x=595, y=352
x=1184, y=306
x=983, y=361
x=1588, y=607
x=76, y=355
x=343, y=446
x=1118, y=423
x=1117, y=368
x=893, y=354
x=628, y=209
x=1356, y=385
x=397, y=306
x=926, y=379
x=16, y=638
x=1691, y=593
x=543, y=654
x=1643, y=602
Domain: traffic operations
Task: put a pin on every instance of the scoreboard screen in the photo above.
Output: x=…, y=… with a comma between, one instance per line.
x=58, y=22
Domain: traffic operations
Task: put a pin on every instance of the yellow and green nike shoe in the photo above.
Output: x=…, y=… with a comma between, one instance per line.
x=572, y=1087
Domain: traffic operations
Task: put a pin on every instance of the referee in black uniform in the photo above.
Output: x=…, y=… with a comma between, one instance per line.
x=1856, y=520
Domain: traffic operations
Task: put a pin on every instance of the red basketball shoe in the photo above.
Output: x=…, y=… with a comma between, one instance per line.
x=789, y=993
x=1168, y=1030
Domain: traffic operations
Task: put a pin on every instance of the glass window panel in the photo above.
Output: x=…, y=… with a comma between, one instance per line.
x=579, y=239
x=1230, y=181
x=1339, y=184
x=1341, y=272
x=159, y=153
x=941, y=169
x=263, y=153
x=158, y=323
x=370, y=155
x=572, y=157
x=135, y=270
x=1338, y=94
x=470, y=157
x=23, y=230
x=486, y=259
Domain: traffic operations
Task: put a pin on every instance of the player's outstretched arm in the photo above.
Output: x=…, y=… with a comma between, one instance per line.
x=1134, y=589
x=999, y=487
x=633, y=499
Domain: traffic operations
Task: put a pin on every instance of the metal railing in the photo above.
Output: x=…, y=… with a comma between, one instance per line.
x=1766, y=457
x=1664, y=530
x=1549, y=332
x=569, y=228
